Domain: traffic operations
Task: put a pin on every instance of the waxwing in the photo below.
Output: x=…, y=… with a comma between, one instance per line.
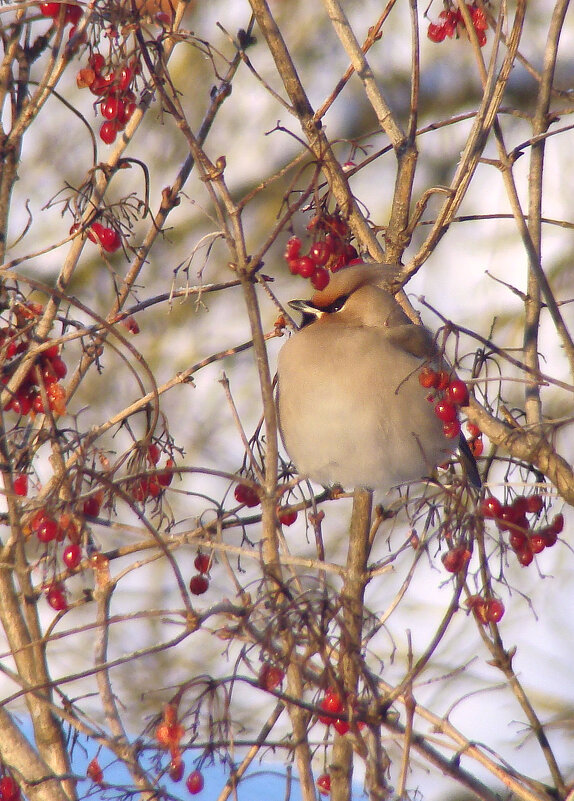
x=351, y=408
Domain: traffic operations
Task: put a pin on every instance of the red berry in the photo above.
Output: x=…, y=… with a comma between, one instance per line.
x=126, y=75
x=320, y=278
x=198, y=584
x=247, y=495
x=457, y=393
x=292, y=248
x=270, y=677
x=108, y=132
x=94, y=771
x=93, y=504
x=20, y=485
x=56, y=596
x=517, y=540
x=534, y=504
x=332, y=702
x=194, y=782
x=476, y=446
x=490, y=507
x=494, y=610
x=176, y=768
x=72, y=556
x=520, y=506
x=287, y=516
x=341, y=727
x=428, y=378
x=97, y=62
x=443, y=380
x=436, y=33
x=47, y=530
x=537, y=543
x=445, y=411
x=525, y=554
x=320, y=253
x=202, y=563
x=550, y=537
x=455, y=559
x=50, y=9
x=109, y=107
x=324, y=784
x=59, y=367
x=557, y=524
x=153, y=453
x=165, y=477
x=473, y=430
x=305, y=266
x=110, y=240
x=73, y=14
x=9, y=789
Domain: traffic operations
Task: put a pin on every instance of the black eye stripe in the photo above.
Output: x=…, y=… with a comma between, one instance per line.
x=336, y=305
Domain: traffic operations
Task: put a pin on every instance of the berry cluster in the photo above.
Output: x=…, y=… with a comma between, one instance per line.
x=474, y=439
x=45, y=372
x=524, y=540
x=105, y=236
x=329, y=253
x=9, y=789
x=449, y=395
x=451, y=19
x=332, y=703
x=486, y=610
x=169, y=734
x=141, y=489
x=113, y=86
x=199, y=583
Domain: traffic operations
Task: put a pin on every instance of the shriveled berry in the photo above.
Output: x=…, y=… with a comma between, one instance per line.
x=534, y=504
x=557, y=524
x=428, y=378
x=245, y=494
x=455, y=559
x=198, y=584
x=270, y=677
x=324, y=784
x=202, y=563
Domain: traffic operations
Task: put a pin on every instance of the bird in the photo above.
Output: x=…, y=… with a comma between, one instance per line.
x=351, y=409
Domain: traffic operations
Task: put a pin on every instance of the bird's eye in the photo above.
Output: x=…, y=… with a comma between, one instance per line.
x=338, y=304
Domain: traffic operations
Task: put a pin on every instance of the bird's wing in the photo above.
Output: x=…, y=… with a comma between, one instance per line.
x=414, y=339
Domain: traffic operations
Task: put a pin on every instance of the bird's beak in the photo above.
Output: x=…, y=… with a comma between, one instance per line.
x=309, y=312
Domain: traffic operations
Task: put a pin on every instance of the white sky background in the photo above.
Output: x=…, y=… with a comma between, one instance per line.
x=538, y=617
